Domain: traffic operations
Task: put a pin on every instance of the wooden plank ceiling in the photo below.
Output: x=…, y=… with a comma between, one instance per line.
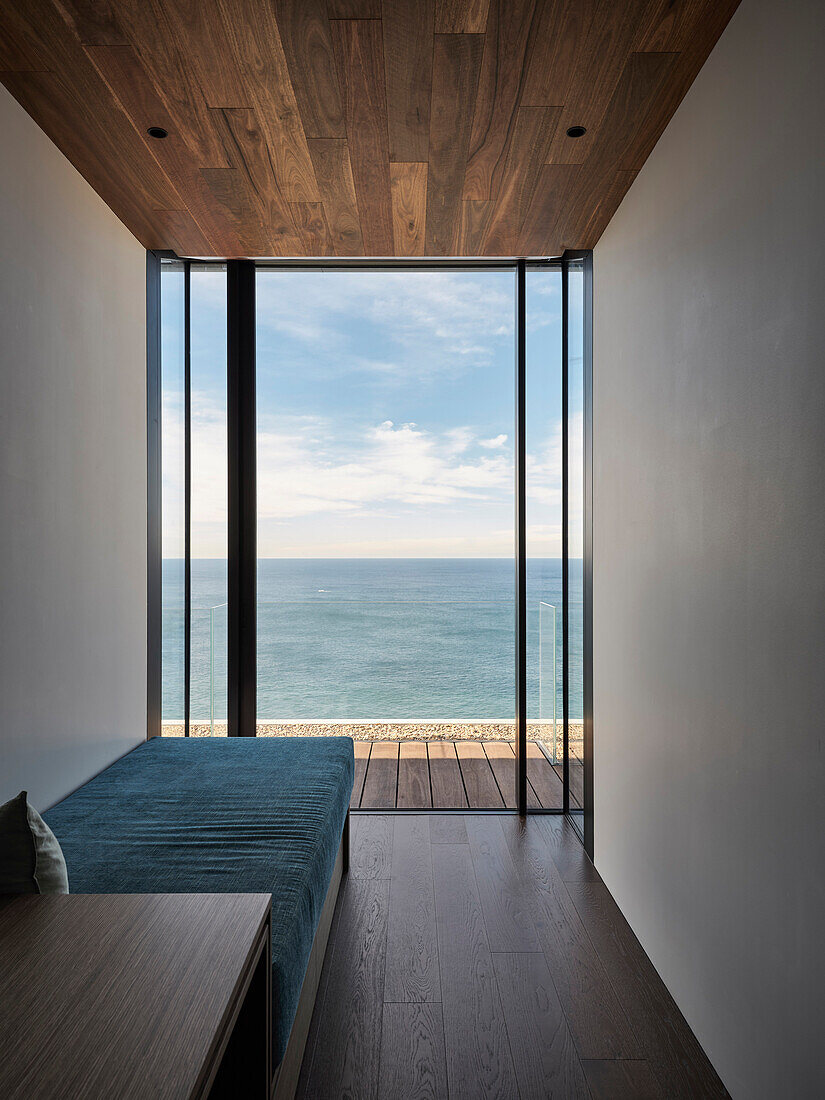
x=357, y=127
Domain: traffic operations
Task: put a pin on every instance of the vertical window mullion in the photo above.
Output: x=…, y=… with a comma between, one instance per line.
x=154, y=545
x=521, y=540
x=242, y=498
x=187, y=498
x=587, y=577
x=565, y=535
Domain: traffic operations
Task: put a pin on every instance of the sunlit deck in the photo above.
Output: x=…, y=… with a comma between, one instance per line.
x=454, y=775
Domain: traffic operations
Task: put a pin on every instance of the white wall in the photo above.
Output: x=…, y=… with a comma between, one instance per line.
x=72, y=473
x=709, y=550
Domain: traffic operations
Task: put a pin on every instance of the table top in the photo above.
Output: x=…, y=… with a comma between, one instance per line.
x=121, y=995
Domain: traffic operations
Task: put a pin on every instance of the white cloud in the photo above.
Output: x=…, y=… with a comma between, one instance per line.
x=495, y=442
x=389, y=489
x=426, y=323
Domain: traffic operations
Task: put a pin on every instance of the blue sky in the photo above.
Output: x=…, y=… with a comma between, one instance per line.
x=385, y=414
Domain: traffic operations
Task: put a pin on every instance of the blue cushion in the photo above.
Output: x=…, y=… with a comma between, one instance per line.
x=222, y=815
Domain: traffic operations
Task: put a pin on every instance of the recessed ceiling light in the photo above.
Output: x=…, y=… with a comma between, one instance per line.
x=159, y=132
x=576, y=131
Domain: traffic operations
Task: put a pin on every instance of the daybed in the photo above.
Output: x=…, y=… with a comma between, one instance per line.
x=247, y=815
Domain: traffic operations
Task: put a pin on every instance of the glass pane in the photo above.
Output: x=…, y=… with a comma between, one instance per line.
x=208, y=547
x=385, y=524
x=575, y=535
x=544, y=543
x=172, y=525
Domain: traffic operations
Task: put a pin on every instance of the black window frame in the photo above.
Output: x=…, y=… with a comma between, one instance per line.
x=242, y=507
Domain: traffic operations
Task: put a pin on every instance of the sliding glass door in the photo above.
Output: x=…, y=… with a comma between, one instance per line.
x=409, y=433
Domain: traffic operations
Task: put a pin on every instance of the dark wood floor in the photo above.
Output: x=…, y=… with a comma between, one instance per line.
x=447, y=775
x=476, y=956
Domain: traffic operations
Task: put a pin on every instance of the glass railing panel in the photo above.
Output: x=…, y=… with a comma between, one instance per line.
x=208, y=703
x=172, y=619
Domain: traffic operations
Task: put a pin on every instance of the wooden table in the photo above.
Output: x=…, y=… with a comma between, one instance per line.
x=135, y=996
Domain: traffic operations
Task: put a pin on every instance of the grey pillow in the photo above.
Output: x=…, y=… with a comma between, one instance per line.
x=31, y=860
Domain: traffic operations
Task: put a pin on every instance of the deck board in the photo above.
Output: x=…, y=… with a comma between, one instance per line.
x=362, y=755
x=413, y=776
x=543, y=778
x=381, y=782
x=479, y=781
x=447, y=775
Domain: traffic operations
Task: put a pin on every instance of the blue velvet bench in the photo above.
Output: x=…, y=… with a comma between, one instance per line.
x=226, y=815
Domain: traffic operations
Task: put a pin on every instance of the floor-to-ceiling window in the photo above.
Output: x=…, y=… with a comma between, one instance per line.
x=194, y=498
x=387, y=450
x=385, y=405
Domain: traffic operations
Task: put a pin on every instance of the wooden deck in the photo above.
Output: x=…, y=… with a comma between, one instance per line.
x=451, y=775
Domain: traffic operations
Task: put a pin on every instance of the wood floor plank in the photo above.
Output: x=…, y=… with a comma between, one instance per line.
x=315, y=1034
x=413, y=1058
x=381, y=782
x=502, y=1012
x=371, y=855
x=346, y=1062
x=445, y=776
x=597, y=1021
x=543, y=779
x=479, y=1063
x=447, y=829
x=666, y=1041
x=567, y=850
x=623, y=1079
x=479, y=782
x=547, y=1064
x=504, y=905
x=413, y=776
x=412, y=951
x=362, y=755
x=576, y=772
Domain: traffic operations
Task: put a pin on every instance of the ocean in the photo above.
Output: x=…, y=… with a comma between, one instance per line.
x=415, y=639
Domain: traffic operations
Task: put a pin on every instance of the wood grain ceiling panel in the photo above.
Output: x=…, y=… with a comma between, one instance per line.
x=408, y=62
x=357, y=127
x=359, y=53
x=333, y=171
x=409, y=207
x=456, y=64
